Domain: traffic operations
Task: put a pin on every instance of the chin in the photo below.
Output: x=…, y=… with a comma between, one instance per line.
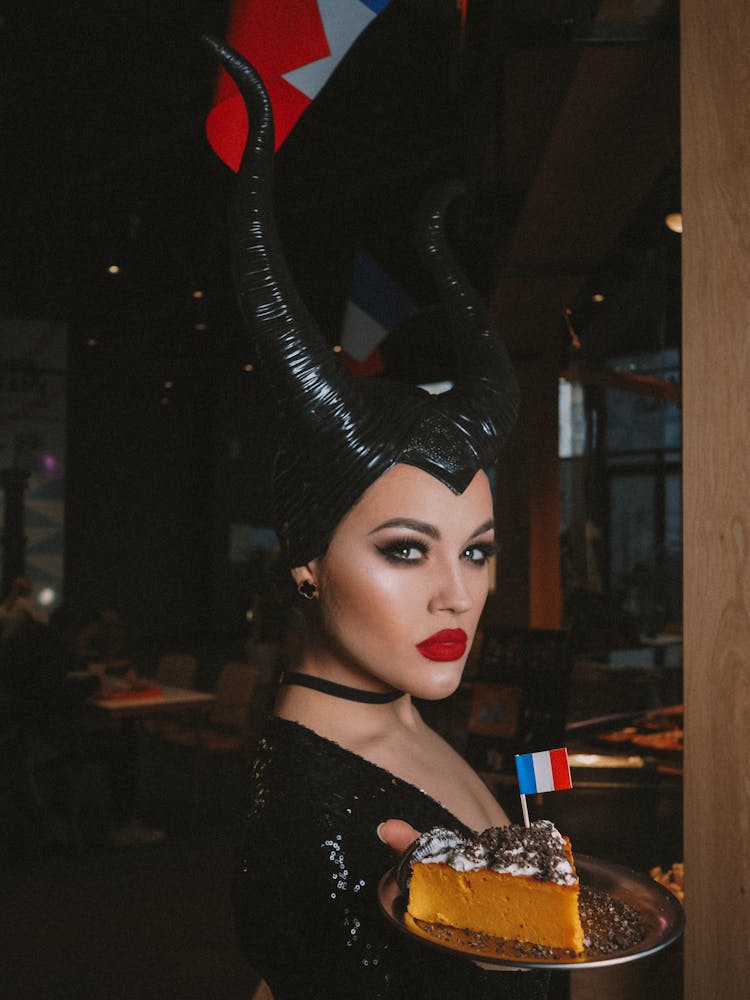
x=441, y=681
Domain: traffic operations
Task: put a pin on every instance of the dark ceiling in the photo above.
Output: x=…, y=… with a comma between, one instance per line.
x=561, y=115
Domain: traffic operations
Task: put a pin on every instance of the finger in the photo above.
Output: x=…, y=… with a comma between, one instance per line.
x=397, y=834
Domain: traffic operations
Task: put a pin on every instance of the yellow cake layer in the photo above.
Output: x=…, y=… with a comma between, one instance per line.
x=506, y=906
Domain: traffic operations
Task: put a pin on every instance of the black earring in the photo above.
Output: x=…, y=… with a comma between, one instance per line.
x=307, y=589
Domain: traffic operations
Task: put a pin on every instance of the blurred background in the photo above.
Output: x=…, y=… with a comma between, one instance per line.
x=129, y=396
x=137, y=435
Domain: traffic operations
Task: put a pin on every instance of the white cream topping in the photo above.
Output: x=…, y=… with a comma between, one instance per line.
x=537, y=852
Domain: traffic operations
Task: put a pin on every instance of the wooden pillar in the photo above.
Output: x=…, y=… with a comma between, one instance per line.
x=716, y=376
x=545, y=597
x=527, y=508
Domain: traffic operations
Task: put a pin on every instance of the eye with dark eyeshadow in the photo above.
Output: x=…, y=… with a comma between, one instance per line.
x=403, y=550
x=479, y=554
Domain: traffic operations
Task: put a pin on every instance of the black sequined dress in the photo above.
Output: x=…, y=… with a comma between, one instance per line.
x=305, y=890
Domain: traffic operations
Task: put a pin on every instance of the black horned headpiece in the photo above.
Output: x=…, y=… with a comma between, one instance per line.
x=340, y=434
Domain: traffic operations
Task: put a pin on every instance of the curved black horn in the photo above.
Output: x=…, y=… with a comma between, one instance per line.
x=296, y=359
x=340, y=436
x=485, y=397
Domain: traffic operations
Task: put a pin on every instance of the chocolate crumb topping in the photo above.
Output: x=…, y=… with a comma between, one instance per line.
x=540, y=844
x=609, y=925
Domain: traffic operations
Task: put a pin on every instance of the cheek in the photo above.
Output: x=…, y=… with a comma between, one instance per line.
x=379, y=599
x=482, y=585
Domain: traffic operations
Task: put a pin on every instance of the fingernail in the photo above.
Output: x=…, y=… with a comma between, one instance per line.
x=379, y=832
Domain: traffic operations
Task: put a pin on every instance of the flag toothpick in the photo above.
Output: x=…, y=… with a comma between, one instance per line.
x=544, y=771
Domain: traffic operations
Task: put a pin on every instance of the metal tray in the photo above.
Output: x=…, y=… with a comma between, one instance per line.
x=660, y=911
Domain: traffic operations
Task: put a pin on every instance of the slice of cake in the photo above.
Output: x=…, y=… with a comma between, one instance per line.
x=511, y=882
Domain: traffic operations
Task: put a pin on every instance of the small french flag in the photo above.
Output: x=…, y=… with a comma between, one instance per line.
x=546, y=771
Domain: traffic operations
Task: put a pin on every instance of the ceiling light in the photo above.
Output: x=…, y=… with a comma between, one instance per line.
x=248, y=368
x=674, y=221
x=597, y=297
x=197, y=294
x=113, y=269
x=46, y=596
x=337, y=349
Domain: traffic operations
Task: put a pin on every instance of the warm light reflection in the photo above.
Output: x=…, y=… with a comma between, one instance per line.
x=169, y=384
x=248, y=368
x=674, y=221
x=197, y=294
x=337, y=349
x=597, y=297
x=201, y=326
x=113, y=269
x=606, y=760
x=46, y=596
x=92, y=342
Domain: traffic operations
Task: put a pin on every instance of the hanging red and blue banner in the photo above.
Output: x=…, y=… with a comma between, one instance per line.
x=295, y=46
x=376, y=306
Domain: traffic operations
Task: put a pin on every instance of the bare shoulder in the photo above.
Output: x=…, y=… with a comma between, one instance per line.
x=423, y=758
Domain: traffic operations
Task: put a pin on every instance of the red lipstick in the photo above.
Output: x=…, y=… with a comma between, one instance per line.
x=448, y=644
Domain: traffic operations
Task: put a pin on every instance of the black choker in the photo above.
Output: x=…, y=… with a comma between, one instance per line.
x=340, y=690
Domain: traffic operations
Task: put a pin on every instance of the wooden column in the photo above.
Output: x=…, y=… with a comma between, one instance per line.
x=527, y=497
x=716, y=378
x=545, y=610
x=527, y=507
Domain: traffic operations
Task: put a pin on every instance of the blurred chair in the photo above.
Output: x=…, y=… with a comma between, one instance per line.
x=220, y=737
x=172, y=670
x=223, y=728
x=176, y=670
x=520, y=696
x=45, y=784
x=42, y=770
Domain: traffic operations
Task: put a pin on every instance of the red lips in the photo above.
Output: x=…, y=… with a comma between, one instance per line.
x=448, y=644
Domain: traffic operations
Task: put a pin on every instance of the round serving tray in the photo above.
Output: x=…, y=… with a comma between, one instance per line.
x=660, y=911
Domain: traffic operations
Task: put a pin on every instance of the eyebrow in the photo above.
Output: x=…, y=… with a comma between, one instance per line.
x=427, y=529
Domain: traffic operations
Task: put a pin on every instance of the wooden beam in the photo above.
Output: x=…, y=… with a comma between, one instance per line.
x=716, y=465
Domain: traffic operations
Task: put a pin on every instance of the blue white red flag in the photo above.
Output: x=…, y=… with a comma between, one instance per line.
x=295, y=46
x=376, y=305
x=545, y=771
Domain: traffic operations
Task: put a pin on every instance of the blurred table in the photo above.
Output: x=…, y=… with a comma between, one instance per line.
x=626, y=801
x=656, y=733
x=151, y=701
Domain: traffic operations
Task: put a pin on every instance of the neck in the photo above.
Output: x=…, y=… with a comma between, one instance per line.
x=337, y=690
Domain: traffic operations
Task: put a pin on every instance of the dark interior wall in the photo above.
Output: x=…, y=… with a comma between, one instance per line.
x=139, y=491
x=103, y=121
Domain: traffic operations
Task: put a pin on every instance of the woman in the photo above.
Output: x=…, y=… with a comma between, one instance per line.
x=385, y=516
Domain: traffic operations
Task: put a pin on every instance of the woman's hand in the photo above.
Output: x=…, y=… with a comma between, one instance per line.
x=397, y=834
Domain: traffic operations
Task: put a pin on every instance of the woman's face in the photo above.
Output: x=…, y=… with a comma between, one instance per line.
x=403, y=583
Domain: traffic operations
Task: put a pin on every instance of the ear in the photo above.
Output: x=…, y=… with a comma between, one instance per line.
x=306, y=572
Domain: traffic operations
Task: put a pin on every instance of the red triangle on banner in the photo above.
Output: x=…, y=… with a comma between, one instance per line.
x=372, y=365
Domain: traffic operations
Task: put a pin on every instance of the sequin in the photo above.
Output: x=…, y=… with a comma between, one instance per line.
x=306, y=879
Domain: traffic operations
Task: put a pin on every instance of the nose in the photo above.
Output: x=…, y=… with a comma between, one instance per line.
x=451, y=591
